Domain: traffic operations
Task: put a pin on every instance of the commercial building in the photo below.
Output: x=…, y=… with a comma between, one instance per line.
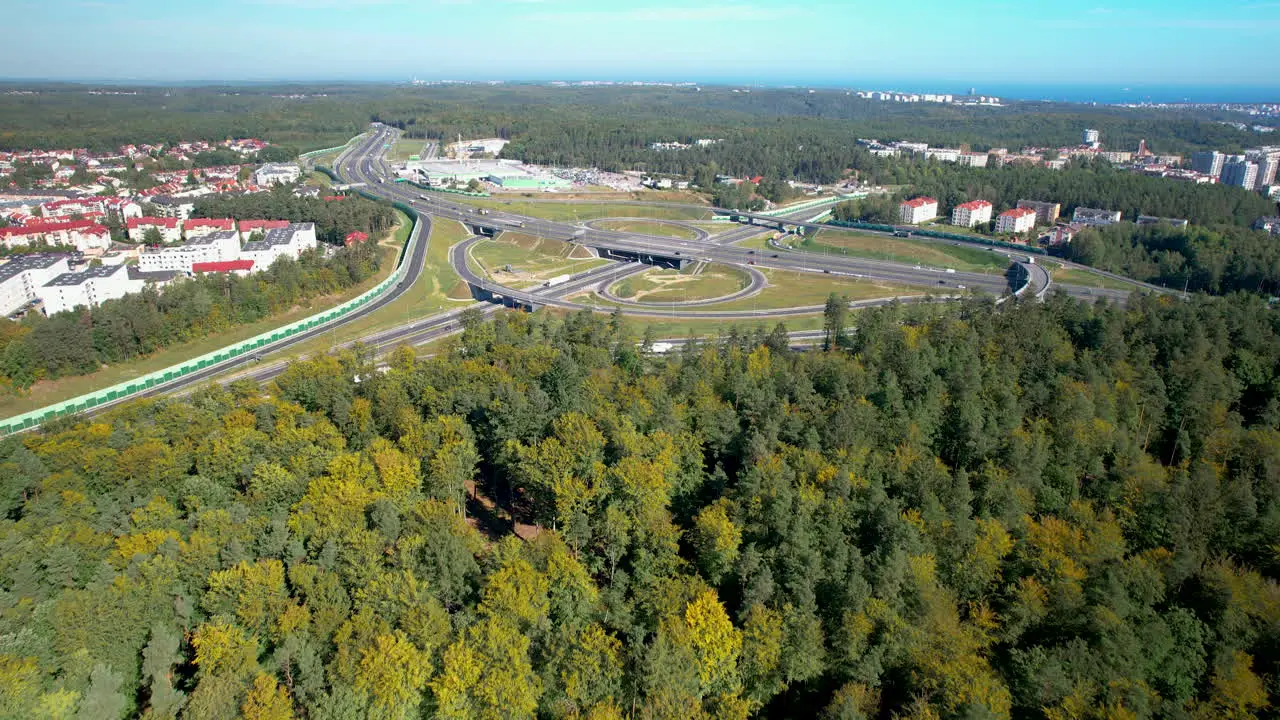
x=213, y=247
x=973, y=159
x=249, y=227
x=1017, y=220
x=170, y=229
x=22, y=277
x=1046, y=212
x=276, y=174
x=917, y=210
x=204, y=226
x=1153, y=220
x=87, y=288
x=1208, y=163
x=84, y=235
x=971, y=213
x=1091, y=216
x=1240, y=173
x=290, y=241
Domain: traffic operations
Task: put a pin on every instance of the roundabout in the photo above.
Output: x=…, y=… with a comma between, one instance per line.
x=755, y=282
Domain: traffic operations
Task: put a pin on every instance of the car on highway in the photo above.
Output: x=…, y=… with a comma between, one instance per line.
x=902, y=233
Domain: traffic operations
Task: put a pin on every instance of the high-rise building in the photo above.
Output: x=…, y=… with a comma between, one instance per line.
x=1268, y=160
x=1240, y=173
x=1091, y=137
x=1208, y=163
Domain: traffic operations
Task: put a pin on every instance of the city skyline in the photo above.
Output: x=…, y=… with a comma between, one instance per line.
x=1115, y=45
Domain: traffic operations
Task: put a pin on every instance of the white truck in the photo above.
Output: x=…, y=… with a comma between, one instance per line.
x=557, y=280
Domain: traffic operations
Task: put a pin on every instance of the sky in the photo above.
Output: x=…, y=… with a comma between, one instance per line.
x=853, y=43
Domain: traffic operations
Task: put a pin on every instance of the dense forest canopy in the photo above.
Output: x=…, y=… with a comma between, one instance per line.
x=586, y=126
x=1055, y=510
x=334, y=219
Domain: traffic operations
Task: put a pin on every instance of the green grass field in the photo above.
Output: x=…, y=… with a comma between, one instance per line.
x=1084, y=278
x=403, y=148
x=797, y=289
x=647, y=228
x=47, y=393
x=904, y=250
x=531, y=259
x=575, y=212
x=665, y=286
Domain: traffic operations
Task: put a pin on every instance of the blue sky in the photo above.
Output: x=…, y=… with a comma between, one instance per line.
x=855, y=42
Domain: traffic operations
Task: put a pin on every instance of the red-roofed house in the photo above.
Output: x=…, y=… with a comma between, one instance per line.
x=249, y=227
x=237, y=267
x=85, y=235
x=971, y=213
x=170, y=228
x=72, y=206
x=1017, y=220
x=917, y=210
x=197, y=227
x=355, y=237
x=332, y=198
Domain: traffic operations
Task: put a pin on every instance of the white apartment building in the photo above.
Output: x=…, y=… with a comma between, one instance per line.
x=249, y=227
x=943, y=154
x=1091, y=216
x=971, y=213
x=170, y=229
x=290, y=241
x=23, y=275
x=217, y=246
x=87, y=288
x=973, y=159
x=1018, y=220
x=276, y=174
x=197, y=227
x=84, y=235
x=917, y=210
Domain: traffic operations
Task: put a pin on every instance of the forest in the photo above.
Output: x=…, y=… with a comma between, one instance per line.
x=334, y=219
x=1053, y=510
x=1219, y=259
x=81, y=341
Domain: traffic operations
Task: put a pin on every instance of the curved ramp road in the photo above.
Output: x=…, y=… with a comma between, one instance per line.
x=757, y=283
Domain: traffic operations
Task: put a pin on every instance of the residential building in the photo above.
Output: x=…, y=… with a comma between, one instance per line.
x=1017, y=220
x=1153, y=220
x=249, y=227
x=1118, y=157
x=1091, y=216
x=1092, y=137
x=974, y=159
x=1269, y=224
x=233, y=267
x=197, y=227
x=276, y=174
x=1240, y=173
x=87, y=288
x=23, y=275
x=1061, y=234
x=1268, y=161
x=216, y=246
x=1046, y=212
x=917, y=210
x=156, y=279
x=173, y=207
x=84, y=235
x=170, y=229
x=972, y=213
x=942, y=154
x=291, y=241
